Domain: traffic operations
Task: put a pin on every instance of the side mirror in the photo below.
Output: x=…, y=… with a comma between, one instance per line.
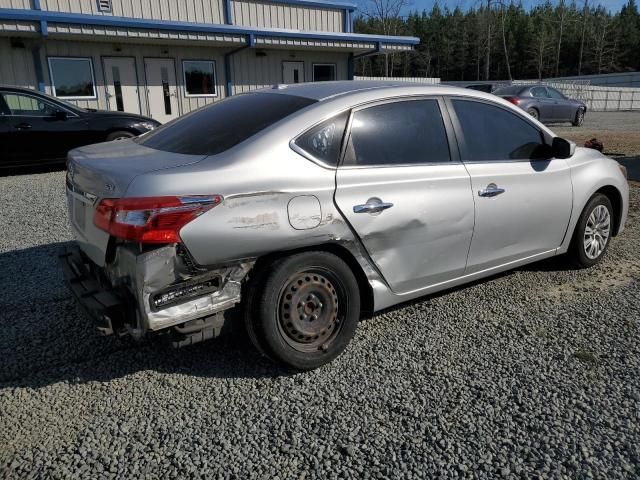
x=562, y=148
x=60, y=115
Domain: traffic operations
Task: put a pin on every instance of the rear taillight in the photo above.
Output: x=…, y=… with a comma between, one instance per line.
x=151, y=219
x=514, y=100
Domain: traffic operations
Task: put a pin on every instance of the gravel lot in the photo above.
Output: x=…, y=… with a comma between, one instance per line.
x=535, y=373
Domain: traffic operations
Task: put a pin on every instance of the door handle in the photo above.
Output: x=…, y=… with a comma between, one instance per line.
x=373, y=205
x=23, y=126
x=492, y=190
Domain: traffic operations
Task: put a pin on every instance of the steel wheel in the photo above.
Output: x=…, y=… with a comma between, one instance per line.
x=596, y=232
x=309, y=310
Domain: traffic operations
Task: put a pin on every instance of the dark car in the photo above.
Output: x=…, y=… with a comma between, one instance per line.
x=37, y=129
x=482, y=87
x=544, y=103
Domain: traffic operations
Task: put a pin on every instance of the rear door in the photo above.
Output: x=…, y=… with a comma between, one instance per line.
x=523, y=199
x=544, y=103
x=563, y=109
x=403, y=190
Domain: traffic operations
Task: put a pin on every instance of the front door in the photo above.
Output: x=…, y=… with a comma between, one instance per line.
x=162, y=92
x=292, y=72
x=408, y=200
x=40, y=131
x=121, y=84
x=523, y=199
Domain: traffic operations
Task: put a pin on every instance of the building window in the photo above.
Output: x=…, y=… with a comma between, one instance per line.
x=324, y=72
x=72, y=78
x=199, y=78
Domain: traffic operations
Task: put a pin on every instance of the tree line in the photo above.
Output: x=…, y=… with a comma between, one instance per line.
x=500, y=40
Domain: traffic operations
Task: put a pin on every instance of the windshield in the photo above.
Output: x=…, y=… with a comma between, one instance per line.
x=218, y=127
x=513, y=90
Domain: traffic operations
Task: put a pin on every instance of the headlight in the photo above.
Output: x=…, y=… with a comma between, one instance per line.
x=147, y=125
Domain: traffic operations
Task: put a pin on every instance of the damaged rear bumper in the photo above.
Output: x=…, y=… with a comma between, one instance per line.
x=156, y=290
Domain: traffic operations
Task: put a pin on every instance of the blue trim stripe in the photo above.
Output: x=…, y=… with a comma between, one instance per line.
x=320, y=3
x=44, y=29
x=36, y=5
x=112, y=21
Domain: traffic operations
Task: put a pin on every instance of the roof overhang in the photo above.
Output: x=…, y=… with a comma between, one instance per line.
x=95, y=27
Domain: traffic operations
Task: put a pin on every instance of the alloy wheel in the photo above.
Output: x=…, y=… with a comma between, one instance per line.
x=597, y=231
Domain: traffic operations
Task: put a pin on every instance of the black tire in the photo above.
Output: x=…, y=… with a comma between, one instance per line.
x=578, y=252
x=120, y=135
x=284, y=330
x=534, y=113
x=578, y=120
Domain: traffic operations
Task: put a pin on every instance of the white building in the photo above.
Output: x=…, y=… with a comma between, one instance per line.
x=164, y=58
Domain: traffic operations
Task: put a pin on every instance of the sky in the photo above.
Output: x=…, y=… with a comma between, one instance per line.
x=613, y=5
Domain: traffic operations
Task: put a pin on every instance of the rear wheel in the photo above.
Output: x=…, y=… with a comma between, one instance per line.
x=593, y=232
x=119, y=135
x=534, y=113
x=579, y=118
x=303, y=310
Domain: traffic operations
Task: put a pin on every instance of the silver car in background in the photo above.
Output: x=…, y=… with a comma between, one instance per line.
x=295, y=209
x=544, y=103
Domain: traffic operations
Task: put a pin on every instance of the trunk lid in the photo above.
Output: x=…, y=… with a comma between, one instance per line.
x=105, y=170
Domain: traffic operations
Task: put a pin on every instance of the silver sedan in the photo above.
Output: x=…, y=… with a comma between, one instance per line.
x=293, y=210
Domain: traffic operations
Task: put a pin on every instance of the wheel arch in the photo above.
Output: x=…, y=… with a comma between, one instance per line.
x=615, y=197
x=340, y=251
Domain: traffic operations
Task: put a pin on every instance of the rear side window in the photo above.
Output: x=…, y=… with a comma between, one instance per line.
x=555, y=94
x=539, y=92
x=218, y=127
x=399, y=133
x=494, y=134
x=323, y=141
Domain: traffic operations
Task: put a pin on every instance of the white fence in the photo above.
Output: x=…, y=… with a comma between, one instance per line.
x=599, y=99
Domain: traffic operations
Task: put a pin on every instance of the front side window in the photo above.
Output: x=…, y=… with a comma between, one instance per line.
x=72, y=77
x=199, y=78
x=215, y=128
x=399, y=133
x=323, y=141
x=492, y=133
x=324, y=72
x=26, y=105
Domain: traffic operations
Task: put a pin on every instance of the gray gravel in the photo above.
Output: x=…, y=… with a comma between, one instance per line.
x=535, y=373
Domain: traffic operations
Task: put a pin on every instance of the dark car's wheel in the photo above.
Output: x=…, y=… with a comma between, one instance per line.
x=303, y=310
x=533, y=112
x=578, y=120
x=593, y=232
x=119, y=135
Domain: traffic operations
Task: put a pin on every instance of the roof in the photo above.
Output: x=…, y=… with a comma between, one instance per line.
x=326, y=90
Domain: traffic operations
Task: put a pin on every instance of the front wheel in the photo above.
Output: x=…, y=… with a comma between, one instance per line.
x=303, y=310
x=579, y=118
x=593, y=232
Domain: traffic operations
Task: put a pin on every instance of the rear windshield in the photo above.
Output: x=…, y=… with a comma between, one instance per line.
x=218, y=127
x=508, y=91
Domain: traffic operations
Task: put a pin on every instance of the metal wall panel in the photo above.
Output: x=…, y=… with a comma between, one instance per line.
x=17, y=65
x=200, y=11
x=15, y=4
x=96, y=51
x=252, y=13
x=251, y=72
